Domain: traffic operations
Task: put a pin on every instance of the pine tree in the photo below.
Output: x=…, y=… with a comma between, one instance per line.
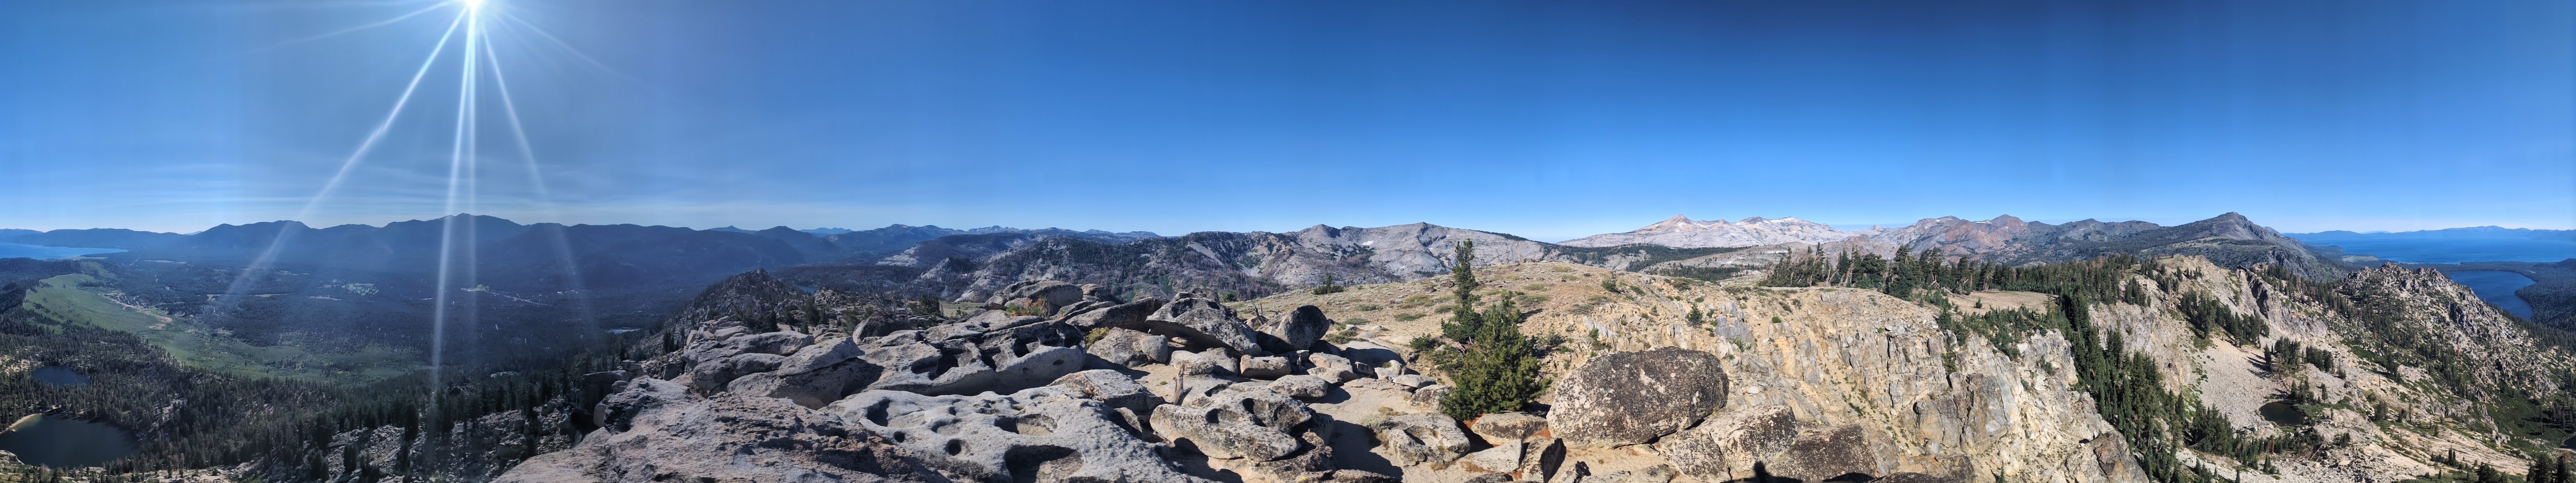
x=1463, y=320
x=1501, y=369
x=2566, y=469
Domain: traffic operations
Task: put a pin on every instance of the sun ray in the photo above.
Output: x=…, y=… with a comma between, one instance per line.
x=346, y=31
x=537, y=183
x=460, y=154
x=567, y=47
x=260, y=263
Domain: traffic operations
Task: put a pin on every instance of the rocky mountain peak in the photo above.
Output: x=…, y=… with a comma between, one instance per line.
x=1682, y=232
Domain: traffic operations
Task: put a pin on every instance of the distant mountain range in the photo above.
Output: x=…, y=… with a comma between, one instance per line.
x=1260, y=263
x=2229, y=239
x=1683, y=232
x=965, y=262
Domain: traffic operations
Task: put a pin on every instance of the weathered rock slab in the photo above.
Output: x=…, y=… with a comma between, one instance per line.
x=1635, y=397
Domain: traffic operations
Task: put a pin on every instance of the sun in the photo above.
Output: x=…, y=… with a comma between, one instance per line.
x=476, y=5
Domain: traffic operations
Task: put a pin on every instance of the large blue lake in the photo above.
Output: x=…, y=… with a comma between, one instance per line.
x=2497, y=288
x=2454, y=249
x=40, y=252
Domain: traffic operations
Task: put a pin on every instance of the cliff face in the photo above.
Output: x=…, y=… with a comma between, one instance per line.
x=1911, y=397
x=2408, y=367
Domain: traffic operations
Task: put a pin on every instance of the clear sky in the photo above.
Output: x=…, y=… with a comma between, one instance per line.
x=1546, y=119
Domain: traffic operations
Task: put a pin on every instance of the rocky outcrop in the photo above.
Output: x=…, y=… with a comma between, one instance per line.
x=1041, y=434
x=1300, y=386
x=1130, y=348
x=1726, y=446
x=1846, y=385
x=1109, y=387
x=1422, y=437
x=1507, y=428
x=1237, y=423
x=711, y=376
x=750, y=296
x=658, y=431
x=1635, y=397
x=816, y=375
x=967, y=362
x=1829, y=454
x=1130, y=314
x=1202, y=323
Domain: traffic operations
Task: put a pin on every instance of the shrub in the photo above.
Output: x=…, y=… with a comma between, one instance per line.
x=1021, y=308
x=1328, y=287
x=1340, y=337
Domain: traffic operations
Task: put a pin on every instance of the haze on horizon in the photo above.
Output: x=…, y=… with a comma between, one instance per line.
x=1550, y=121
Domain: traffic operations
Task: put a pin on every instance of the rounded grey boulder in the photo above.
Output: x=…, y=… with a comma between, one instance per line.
x=1634, y=397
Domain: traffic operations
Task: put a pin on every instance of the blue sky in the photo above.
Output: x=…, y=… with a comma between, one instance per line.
x=1547, y=119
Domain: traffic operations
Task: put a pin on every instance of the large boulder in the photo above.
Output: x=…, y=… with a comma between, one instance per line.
x=1650, y=474
x=966, y=363
x=1306, y=387
x=816, y=375
x=1501, y=429
x=714, y=375
x=1421, y=437
x=1265, y=367
x=1297, y=332
x=1098, y=293
x=658, y=431
x=1202, y=323
x=1334, y=369
x=1048, y=433
x=1195, y=364
x=1110, y=388
x=1429, y=396
x=1130, y=315
x=732, y=341
x=1726, y=446
x=1836, y=453
x=1500, y=459
x=1237, y=423
x=1130, y=348
x=1634, y=397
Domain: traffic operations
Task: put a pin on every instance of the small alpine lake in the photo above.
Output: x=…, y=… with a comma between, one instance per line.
x=2282, y=413
x=63, y=442
x=60, y=376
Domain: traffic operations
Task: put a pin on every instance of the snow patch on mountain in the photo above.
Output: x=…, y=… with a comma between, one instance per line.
x=1682, y=232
